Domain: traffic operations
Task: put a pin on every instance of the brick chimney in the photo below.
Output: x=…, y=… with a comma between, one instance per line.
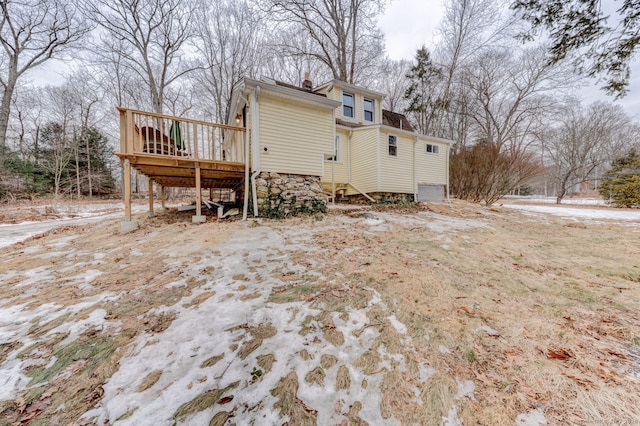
x=307, y=84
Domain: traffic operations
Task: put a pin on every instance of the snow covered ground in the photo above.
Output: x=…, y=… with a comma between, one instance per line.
x=66, y=215
x=580, y=213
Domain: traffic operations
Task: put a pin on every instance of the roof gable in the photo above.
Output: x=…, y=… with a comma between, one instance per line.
x=397, y=120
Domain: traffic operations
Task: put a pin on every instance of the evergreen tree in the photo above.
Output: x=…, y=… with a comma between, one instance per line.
x=424, y=104
x=621, y=184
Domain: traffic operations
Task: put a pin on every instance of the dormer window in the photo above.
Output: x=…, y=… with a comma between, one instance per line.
x=368, y=110
x=347, y=104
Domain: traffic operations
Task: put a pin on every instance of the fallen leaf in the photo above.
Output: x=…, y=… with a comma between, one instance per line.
x=225, y=400
x=560, y=354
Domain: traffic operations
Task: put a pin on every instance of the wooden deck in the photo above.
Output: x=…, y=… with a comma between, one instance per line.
x=171, y=172
x=180, y=152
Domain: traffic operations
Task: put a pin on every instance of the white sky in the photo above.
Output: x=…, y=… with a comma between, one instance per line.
x=408, y=24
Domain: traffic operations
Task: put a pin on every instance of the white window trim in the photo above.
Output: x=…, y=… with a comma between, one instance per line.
x=337, y=155
x=353, y=107
x=389, y=145
x=373, y=110
x=437, y=149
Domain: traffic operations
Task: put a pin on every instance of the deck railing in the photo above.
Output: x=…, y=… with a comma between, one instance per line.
x=143, y=132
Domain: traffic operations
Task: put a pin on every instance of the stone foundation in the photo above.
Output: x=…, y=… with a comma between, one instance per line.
x=281, y=195
x=381, y=198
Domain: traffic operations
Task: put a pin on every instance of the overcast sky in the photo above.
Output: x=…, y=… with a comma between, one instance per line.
x=408, y=24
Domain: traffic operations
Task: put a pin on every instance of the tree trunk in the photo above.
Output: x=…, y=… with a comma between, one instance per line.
x=76, y=148
x=5, y=105
x=89, y=168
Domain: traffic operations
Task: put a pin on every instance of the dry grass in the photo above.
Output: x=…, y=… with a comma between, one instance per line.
x=201, y=402
x=150, y=380
x=290, y=405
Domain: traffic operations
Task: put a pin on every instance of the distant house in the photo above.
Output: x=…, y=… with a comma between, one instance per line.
x=305, y=142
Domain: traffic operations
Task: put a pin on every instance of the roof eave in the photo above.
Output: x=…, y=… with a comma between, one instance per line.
x=292, y=94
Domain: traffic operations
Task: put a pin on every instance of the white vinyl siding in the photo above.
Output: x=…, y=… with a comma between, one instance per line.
x=396, y=173
x=340, y=171
x=295, y=136
x=364, y=159
x=431, y=168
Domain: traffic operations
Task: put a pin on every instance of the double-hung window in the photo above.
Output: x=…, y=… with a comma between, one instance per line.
x=347, y=104
x=393, y=146
x=368, y=109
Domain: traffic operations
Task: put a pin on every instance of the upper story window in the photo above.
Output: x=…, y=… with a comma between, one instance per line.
x=368, y=109
x=393, y=146
x=431, y=149
x=347, y=104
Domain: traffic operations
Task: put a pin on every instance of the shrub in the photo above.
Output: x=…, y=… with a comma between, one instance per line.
x=621, y=184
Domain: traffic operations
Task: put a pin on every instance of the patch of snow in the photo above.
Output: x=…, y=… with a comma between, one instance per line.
x=490, y=331
x=426, y=372
x=600, y=213
x=552, y=200
x=400, y=327
x=444, y=350
x=452, y=418
x=466, y=389
x=220, y=325
x=532, y=418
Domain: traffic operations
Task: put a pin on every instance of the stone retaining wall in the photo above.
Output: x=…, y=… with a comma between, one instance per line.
x=281, y=195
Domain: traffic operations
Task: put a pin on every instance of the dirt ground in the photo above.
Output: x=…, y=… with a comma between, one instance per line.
x=451, y=314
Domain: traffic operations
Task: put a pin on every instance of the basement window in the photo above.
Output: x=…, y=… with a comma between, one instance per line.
x=431, y=149
x=393, y=146
x=347, y=104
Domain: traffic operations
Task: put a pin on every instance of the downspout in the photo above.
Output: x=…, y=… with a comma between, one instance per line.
x=256, y=148
x=415, y=187
x=349, y=168
x=448, y=157
x=245, y=206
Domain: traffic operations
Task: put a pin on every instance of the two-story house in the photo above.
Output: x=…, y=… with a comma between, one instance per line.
x=307, y=142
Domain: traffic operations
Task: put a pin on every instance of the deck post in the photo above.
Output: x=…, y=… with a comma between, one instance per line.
x=151, y=198
x=128, y=225
x=162, y=197
x=198, y=218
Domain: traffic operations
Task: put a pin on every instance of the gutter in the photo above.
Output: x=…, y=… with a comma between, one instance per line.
x=448, y=158
x=415, y=187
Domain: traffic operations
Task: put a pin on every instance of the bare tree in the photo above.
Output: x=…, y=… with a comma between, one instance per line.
x=468, y=28
x=344, y=33
x=150, y=36
x=229, y=42
x=31, y=33
x=584, y=141
x=394, y=84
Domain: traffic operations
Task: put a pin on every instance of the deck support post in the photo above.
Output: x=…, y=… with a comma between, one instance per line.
x=198, y=218
x=128, y=225
x=162, y=197
x=151, y=214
